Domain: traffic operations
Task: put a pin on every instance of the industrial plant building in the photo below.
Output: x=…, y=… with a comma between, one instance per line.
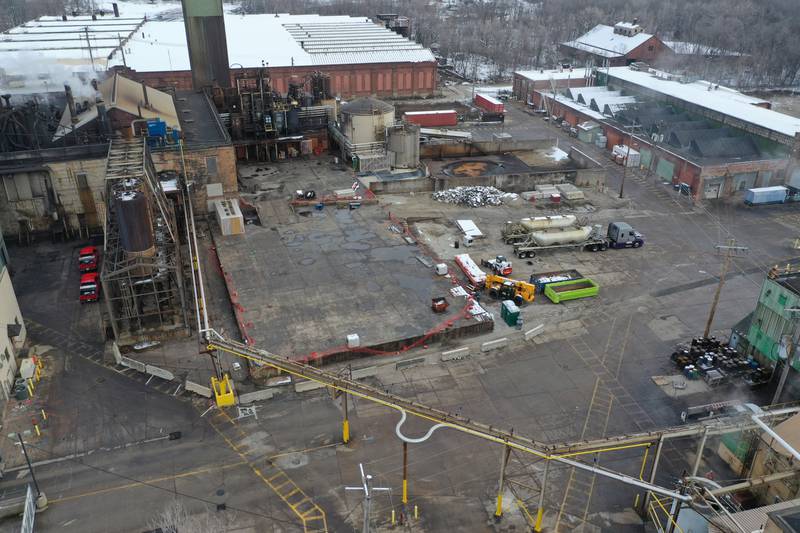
x=12, y=327
x=711, y=140
x=358, y=56
x=613, y=46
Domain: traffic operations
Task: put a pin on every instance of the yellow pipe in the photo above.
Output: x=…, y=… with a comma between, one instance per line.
x=405, y=491
x=498, y=512
x=603, y=450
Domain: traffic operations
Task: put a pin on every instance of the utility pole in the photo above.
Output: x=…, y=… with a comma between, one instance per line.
x=30, y=467
x=794, y=313
x=366, y=486
x=729, y=250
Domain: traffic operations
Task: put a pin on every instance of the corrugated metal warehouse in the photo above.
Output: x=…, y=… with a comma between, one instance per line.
x=712, y=139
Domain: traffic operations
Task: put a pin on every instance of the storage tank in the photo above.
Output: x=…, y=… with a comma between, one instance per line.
x=566, y=236
x=135, y=228
x=555, y=221
x=365, y=120
x=403, y=146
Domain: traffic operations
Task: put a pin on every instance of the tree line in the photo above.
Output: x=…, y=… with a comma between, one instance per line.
x=495, y=37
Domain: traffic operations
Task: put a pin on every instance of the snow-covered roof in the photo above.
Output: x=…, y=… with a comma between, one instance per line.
x=572, y=104
x=278, y=40
x=688, y=48
x=154, y=39
x=710, y=96
x=554, y=74
x=601, y=40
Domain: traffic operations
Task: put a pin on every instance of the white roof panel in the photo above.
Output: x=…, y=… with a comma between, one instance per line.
x=555, y=74
x=601, y=40
x=712, y=97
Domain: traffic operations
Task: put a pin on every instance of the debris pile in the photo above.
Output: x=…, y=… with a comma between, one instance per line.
x=474, y=196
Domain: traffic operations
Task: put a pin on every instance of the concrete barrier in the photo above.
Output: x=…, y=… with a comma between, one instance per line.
x=159, y=372
x=133, y=363
x=305, y=386
x=452, y=355
x=408, y=363
x=367, y=371
x=196, y=388
x=494, y=345
x=531, y=333
x=256, y=396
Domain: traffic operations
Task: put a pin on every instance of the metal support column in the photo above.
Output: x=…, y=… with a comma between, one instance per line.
x=676, y=508
x=405, y=473
x=540, y=511
x=498, y=512
x=653, y=471
x=345, y=422
x=696, y=465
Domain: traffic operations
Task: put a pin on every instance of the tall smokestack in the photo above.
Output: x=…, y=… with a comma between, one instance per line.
x=116, y=9
x=70, y=103
x=205, y=38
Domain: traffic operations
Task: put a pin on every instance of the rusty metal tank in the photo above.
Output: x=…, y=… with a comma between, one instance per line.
x=135, y=226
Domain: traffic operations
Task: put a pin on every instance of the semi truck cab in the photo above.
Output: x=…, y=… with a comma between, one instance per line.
x=622, y=235
x=90, y=287
x=88, y=259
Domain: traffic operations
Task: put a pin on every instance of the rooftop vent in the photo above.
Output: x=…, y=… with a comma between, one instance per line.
x=629, y=29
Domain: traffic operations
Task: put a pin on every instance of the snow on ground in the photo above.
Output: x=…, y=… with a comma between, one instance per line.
x=557, y=154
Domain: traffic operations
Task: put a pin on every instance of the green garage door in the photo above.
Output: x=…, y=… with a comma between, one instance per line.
x=665, y=169
x=646, y=157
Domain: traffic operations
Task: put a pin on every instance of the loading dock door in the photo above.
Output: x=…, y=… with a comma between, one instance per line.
x=712, y=188
x=665, y=169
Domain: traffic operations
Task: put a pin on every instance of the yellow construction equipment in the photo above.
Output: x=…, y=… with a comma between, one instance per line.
x=510, y=289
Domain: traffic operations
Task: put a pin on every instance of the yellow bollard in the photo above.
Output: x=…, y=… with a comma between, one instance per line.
x=38, y=374
x=345, y=431
x=30, y=382
x=393, y=519
x=539, y=515
x=44, y=415
x=416, y=512
x=36, y=427
x=30, y=390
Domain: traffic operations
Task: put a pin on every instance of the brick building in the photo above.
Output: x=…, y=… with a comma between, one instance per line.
x=618, y=45
x=712, y=139
x=529, y=83
x=361, y=57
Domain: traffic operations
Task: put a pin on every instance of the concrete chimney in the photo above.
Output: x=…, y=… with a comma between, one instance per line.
x=205, y=39
x=116, y=9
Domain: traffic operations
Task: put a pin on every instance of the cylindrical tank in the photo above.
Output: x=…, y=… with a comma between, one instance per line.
x=403, y=143
x=365, y=120
x=567, y=236
x=135, y=227
x=555, y=221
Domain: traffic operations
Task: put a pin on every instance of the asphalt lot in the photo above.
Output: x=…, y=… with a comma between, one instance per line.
x=588, y=375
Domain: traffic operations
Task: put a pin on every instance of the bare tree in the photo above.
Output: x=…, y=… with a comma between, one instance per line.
x=175, y=518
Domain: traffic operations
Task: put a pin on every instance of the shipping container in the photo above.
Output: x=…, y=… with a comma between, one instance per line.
x=766, y=195
x=444, y=117
x=489, y=103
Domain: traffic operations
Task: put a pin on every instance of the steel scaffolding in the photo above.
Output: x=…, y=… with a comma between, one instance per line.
x=143, y=292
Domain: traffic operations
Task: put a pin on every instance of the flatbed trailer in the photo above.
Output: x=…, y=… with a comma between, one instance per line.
x=530, y=249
